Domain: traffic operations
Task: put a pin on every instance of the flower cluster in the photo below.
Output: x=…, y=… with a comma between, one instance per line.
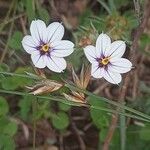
x=47, y=49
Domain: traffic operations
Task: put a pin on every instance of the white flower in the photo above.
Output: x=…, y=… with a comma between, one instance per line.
x=106, y=59
x=46, y=47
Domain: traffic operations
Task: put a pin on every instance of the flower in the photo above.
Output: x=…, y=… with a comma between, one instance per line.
x=106, y=59
x=46, y=47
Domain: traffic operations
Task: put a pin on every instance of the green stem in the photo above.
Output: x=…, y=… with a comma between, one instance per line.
x=72, y=87
x=34, y=106
x=20, y=75
x=109, y=101
x=122, y=130
x=62, y=100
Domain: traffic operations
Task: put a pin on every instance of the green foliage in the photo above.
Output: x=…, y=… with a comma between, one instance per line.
x=103, y=134
x=64, y=107
x=7, y=128
x=145, y=133
x=144, y=41
x=100, y=118
x=8, y=83
x=6, y=142
x=60, y=121
x=3, y=106
x=111, y=18
x=15, y=41
x=13, y=82
x=30, y=9
x=25, y=106
x=4, y=67
x=120, y=3
x=43, y=15
x=10, y=129
x=134, y=141
x=42, y=12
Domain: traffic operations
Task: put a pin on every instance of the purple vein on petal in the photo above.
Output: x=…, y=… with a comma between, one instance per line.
x=111, y=77
x=53, y=34
x=115, y=49
x=120, y=66
x=55, y=64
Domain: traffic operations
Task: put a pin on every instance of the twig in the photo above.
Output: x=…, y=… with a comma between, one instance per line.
x=137, y=9
x=7, y=15
x=136, y=36
x=9, y=36
x=23, y=25
x=61, y=142
x=9, y=20
x=76, y=131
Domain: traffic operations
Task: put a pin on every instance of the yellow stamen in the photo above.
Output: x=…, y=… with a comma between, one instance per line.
x=45, y=48
x=105, y=61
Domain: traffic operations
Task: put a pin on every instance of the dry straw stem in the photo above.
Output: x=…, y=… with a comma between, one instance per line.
x=10, y=31
x=136, y=36
x=44, y=86
x=81, y=82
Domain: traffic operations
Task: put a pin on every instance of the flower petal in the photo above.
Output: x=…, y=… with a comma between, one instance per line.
x=38, y=31
x=120, y=65
x=28, y=44
x=96, y=71
x=38, y=60
x=55, y=31
x=62, y=48
x=112, y=77
x=102, y=44
x=117, y=49
x=90, y=53
x=56, y=64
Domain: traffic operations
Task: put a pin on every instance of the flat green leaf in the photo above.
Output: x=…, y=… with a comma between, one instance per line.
x=25, y=105
x=3, y=121
x=4, y=67
x=10, y=129
x=64, y=107
x=44, y=15
x=15, y=41
x=8, y=83
x=13, y=82
x=6, y=142
x=22, y=81
x=100, y=118
x=103, y=133
x=145, y=133
x=3, y=106
x=60, y=121
x=145, y=39
x=30, y=9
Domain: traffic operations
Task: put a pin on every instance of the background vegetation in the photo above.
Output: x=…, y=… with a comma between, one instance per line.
x=120, y=121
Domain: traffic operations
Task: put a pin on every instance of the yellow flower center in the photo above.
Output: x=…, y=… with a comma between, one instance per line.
x=45, y=48
x=105, y=61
